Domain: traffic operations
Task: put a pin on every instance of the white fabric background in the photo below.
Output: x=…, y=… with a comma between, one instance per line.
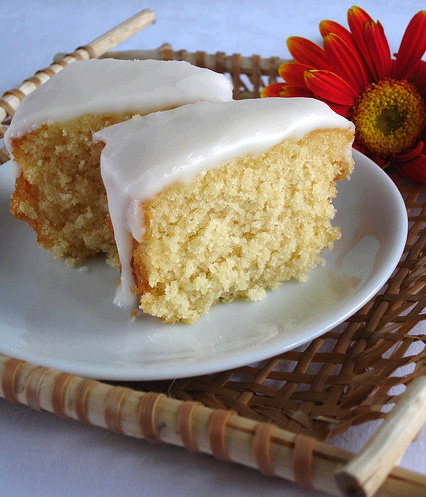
x=41, y=455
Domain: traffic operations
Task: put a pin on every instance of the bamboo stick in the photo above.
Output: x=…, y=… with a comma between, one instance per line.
x=211, y=60
x=365, y=473
x=11, y=99
x=150, y=416
x=156, y=417
x=122, y=32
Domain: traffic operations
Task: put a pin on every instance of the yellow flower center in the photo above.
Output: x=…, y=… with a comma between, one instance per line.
x=389, y=117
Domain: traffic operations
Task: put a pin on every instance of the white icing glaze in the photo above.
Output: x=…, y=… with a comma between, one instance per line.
x=116, y=86
x=16, y=170
x=143, y=156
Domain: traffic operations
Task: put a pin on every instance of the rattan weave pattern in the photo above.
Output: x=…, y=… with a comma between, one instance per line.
x=347, y=376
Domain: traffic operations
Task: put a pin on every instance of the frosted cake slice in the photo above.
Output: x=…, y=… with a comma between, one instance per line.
x=59, y=191
x=216, y=201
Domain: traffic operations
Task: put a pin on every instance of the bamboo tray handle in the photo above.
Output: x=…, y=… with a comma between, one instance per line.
x=11, y=99
x=157, y=418
x=365, y=473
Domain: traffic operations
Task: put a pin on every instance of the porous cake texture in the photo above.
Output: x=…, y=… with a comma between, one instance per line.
x=214, y=202
x=59, y=190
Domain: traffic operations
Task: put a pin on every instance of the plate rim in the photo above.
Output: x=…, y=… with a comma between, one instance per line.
x=214, y=365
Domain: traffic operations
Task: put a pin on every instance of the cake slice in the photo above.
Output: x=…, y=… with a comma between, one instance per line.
x=59, y=190
x=212, y=202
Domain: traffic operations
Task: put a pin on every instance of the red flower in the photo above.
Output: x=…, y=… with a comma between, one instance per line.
x=356, y=75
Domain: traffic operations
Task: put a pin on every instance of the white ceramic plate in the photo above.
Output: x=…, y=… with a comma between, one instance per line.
x=64, y=318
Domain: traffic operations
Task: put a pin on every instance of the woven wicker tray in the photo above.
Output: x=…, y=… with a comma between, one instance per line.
x=275, y=415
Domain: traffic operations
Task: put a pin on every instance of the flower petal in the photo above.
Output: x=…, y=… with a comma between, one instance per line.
x=414, y=170
x=409, y=155
x=413, y=45
x=357, y=18
x=327, y=27
x=378, y=48
x=285, y=90
x=272, y=90
x=345, y=62
x=296, y=91
x=306, y=52
x=329, y=86
x=292, y=72
x=419, y=78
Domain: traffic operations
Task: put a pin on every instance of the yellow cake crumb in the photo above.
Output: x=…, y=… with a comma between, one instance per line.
x=60, y=192
x=240, y=229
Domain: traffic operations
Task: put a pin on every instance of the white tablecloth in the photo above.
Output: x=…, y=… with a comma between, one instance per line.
x=41, y=455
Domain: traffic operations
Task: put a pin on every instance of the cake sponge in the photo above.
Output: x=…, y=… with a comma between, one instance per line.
x=217, y=201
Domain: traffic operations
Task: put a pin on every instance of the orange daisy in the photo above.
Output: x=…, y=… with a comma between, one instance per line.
x=356, y=75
